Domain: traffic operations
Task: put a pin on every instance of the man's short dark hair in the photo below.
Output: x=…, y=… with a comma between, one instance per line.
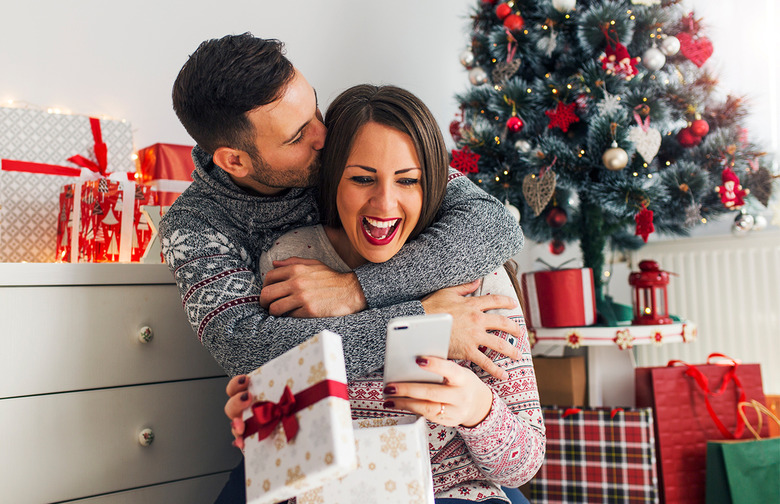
x=223, y=80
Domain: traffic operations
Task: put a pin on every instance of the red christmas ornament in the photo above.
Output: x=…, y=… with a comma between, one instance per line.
x=557, y=247
x=698, y=50
x=489, y=2
x=514, y=124
x=556, y=217
x=464, y=160
x=688, y=138
x=731, y=193
x=699, y=127
x=455, y=130
x=617, y=61
x=563, y=116
x=514, y=22
x=503, y=10
x=644, y=223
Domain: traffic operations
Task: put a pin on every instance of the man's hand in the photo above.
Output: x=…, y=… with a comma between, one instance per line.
x=471, y=323
x=307, y=288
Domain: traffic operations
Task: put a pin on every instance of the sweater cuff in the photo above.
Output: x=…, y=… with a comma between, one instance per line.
x=490, y=424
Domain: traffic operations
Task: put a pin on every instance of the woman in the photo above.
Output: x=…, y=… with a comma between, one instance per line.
x=384, y=174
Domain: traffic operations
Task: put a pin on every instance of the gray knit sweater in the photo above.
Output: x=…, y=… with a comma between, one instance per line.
x=214, y=234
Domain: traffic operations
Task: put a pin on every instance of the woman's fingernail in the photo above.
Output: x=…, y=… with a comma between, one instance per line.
x=389, y=404
x=244, y=396
x=390, y=390
x=241, y=380
x=421, y=361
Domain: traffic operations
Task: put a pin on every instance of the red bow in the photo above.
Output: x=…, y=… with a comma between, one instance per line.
x=100, y=149
x=266, y=415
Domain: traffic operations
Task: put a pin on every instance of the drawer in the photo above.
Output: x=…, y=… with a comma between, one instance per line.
x=73, y=445
x=87, y=337
x=203, y=490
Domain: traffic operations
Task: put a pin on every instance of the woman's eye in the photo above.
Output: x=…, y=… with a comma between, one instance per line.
x=360, y=179
x=408, y=181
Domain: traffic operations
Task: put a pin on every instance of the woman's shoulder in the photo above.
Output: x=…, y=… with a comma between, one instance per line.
x=309, y=242
x=498, y=282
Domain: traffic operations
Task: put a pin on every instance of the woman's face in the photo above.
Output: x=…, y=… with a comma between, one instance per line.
x=379, y=197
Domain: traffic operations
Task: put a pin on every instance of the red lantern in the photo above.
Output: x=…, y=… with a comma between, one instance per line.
x=650, y=299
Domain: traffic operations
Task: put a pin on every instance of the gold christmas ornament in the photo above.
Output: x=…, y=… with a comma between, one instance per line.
x=615, y=158
x=538, y=190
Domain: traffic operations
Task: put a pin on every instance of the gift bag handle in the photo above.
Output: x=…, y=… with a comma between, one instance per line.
x=702, y=382
x=760, y=408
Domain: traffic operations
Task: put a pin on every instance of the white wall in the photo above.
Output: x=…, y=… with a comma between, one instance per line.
x=120, y=59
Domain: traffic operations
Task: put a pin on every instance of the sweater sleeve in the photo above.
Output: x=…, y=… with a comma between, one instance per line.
x=473, y=234
x=221, y=297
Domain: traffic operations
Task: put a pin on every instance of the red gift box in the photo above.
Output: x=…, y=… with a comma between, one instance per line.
x=108, y=219
x=597, y=455
x=693, y=404
x=560, y=298
x=167, y=169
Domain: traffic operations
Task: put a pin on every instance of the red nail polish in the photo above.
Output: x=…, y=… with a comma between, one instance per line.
x=244, y=396
x=389, y=404
x=421, y=361
x=242, y=380
x=390, y=390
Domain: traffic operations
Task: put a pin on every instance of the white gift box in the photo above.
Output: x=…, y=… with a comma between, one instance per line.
x=394, y=466
x=309, y=382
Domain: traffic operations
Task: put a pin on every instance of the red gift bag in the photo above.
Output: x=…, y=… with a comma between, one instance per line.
x=597, y=455
x=691, y=405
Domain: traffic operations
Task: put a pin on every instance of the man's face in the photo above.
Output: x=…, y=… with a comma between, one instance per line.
x=289, y=137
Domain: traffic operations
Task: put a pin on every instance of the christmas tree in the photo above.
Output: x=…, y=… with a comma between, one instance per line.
x=598, y=120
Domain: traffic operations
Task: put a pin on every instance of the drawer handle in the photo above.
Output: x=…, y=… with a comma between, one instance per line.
x=145, y=334
x=146, y=437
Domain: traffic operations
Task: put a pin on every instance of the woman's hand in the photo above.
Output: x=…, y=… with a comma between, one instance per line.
x=238, y=401
x=463, y=399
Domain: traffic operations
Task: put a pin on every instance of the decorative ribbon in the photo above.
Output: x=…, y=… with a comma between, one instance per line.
x=100, y=149
x=644, y=124
x=266, y=415
x=703, y=384
x=554, y=268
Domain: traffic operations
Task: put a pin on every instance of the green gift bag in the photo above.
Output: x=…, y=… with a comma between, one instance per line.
x=744, y=471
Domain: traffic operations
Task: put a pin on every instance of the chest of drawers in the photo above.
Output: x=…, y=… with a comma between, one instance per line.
x=105, y=393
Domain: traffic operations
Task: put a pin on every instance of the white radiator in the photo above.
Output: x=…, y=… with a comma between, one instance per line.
x=728, y=286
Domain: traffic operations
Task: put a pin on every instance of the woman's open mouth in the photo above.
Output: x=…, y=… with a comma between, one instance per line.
x=379, y=231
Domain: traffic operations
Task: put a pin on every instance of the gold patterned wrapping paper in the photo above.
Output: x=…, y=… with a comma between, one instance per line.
x=323, y=448
x=393, y=466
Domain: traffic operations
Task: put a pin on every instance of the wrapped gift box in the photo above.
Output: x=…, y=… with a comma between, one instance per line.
x=394, y=466
x=167, y=169
x=36, y=150
x=560, y=298
x=299, y=431
x=597, y=455
x=109, y=223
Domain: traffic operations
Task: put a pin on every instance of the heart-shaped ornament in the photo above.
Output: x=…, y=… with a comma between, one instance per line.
x=697, y=50
x=538, y=190
x=504, y=71
x=646, y=142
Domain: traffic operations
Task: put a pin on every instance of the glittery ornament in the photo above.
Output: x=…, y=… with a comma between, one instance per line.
x=609, y=105
x=478, y=76
x=644, y=223
x=563, y=116
x=538, y=190
x=693, y=215
x=464, y=160
x=504, y=71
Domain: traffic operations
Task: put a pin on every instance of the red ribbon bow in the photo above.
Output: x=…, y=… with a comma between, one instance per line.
x=266, y=415
x=100, y=149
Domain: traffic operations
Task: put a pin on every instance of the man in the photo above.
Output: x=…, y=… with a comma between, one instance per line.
x=259, y=131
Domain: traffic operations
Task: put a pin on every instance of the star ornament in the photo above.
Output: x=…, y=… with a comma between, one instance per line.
x=563, y=116
x=464, y=160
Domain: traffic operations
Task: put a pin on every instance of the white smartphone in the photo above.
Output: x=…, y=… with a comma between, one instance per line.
x=410, y=337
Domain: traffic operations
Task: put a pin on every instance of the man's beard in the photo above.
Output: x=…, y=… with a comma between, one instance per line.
x=263, y=174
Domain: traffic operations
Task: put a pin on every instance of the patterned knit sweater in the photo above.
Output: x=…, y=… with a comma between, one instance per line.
x=214, y=233
x=506, y=448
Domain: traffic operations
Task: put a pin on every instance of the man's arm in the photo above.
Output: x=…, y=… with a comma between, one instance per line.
x=473, y=235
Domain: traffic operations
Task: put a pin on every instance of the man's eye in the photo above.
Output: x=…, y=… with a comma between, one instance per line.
x=297, y=140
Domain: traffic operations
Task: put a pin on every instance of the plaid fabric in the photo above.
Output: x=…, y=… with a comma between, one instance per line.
x=597, y=455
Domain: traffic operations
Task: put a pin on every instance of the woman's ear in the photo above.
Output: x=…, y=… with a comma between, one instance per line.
x=233, y=161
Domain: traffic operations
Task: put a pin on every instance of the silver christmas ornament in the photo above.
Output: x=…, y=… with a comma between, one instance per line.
x=478, y=76
x=742, y=224
x=523, y=146
x=564, y=5
x=467, y=58
x=653, y=59
x=670, y=45
x=759, y=222
x=512, y=210
x=615, y=158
